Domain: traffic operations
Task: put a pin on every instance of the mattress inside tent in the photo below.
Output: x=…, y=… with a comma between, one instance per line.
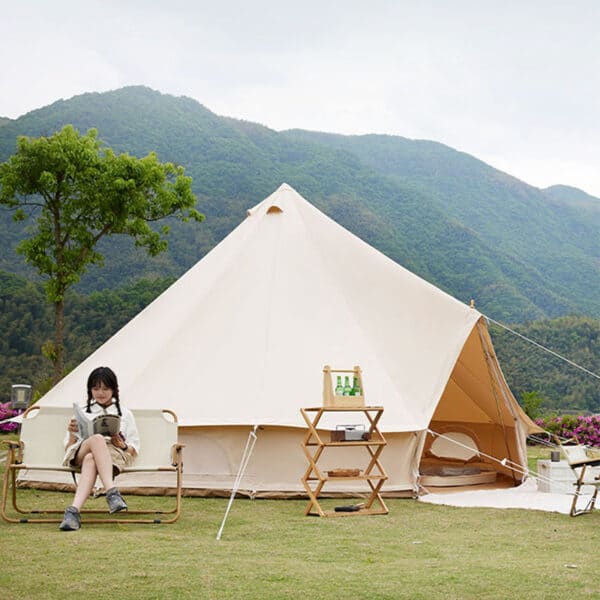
x=452, y=461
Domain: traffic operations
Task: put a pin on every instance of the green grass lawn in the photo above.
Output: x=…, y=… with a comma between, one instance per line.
x=535, y=453
x=269, y=550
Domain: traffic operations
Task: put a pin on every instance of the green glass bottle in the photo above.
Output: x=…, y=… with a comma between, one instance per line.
x=347, y=388
x=339, y=388
x=356, y=391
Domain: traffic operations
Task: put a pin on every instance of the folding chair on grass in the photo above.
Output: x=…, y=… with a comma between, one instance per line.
x=580, y=458
x=40, y=449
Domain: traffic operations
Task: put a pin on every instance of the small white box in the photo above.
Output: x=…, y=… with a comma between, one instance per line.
x=558, y=477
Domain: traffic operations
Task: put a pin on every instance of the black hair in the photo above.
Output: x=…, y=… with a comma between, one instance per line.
x=106, y=376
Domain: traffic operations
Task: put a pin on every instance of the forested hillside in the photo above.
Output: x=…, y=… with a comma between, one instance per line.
x=26, y=322
x=473, y=231
x=539, y=235
x=561, y=385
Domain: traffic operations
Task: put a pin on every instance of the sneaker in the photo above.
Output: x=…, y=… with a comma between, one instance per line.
x=71, y=519
x=115, y=501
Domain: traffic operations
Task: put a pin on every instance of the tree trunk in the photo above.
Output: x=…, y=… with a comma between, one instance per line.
x=59, y=326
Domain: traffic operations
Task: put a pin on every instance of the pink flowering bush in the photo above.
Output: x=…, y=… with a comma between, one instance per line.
x=6, y=412
x=586, y=429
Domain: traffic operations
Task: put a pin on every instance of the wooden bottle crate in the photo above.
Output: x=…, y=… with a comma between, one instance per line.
x=330, y=399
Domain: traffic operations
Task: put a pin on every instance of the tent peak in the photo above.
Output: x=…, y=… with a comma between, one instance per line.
x=276, y=202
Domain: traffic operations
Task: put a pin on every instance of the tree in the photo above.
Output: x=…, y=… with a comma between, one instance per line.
x=79, y=191
x=531, y=402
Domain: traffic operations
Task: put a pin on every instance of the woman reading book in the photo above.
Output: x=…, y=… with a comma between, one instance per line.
x=98, y=455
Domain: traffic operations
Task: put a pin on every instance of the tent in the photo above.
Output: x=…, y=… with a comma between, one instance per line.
x=241, y=339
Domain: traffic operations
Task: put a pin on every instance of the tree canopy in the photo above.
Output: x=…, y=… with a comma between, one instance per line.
x=78, y=191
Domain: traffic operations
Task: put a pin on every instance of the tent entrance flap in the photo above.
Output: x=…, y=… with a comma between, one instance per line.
x=477, y=402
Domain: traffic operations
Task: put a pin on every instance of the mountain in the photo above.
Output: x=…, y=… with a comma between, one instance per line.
x=570, y=196
x=522, y=253
x=549, y=242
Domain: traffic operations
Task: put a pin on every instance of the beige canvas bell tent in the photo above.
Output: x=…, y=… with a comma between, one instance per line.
x=240, y=340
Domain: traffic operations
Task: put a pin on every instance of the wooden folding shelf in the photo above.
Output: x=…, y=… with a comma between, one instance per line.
x=314, y=446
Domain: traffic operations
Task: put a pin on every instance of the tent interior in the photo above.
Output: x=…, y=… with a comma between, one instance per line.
x=478, y=421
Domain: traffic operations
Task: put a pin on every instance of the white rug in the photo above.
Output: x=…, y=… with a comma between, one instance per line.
x=524, y=496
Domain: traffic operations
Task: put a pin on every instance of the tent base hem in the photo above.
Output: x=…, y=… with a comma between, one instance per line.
x=213, y=491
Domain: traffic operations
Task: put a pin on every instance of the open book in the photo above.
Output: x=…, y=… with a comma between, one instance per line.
x=90, y=423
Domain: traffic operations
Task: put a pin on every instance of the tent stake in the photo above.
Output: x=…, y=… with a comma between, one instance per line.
x=243, y=464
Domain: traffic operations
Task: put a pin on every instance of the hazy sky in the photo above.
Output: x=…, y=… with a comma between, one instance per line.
x=516, y=83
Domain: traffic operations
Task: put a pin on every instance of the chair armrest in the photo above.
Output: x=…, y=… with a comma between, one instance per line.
x=581, y=461
x=15, y=448
x=176, y=453
x=12, y=443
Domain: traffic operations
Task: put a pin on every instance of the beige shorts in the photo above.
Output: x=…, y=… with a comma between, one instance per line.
x=120, y=459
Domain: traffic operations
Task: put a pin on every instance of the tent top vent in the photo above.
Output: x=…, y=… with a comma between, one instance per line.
x=277, y=202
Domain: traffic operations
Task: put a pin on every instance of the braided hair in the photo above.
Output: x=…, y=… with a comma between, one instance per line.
x=106, y=376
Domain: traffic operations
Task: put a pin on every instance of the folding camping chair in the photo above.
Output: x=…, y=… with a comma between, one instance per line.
x=580, y=458
x=40, y=449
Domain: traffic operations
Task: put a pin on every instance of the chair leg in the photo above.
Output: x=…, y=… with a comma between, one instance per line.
x=44, y=515
x=589, y=507
x=5, y=485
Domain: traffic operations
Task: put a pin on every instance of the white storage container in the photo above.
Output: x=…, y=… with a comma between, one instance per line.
x=558, y=477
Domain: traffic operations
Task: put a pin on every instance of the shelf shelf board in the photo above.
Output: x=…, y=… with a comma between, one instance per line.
x=343, y=408
x=346, y=477
x=362, y=511
x=355, y=443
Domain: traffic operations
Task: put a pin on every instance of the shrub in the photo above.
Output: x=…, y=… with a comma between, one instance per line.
x=6, y=412
x=585, y=429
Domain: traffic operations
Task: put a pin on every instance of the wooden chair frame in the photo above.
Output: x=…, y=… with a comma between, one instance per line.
x=579, y=460
x=36, y=451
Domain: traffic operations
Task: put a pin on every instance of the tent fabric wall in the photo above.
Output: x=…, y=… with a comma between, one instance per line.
x=278, y=462
x=241, y=340
x=212, y=457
